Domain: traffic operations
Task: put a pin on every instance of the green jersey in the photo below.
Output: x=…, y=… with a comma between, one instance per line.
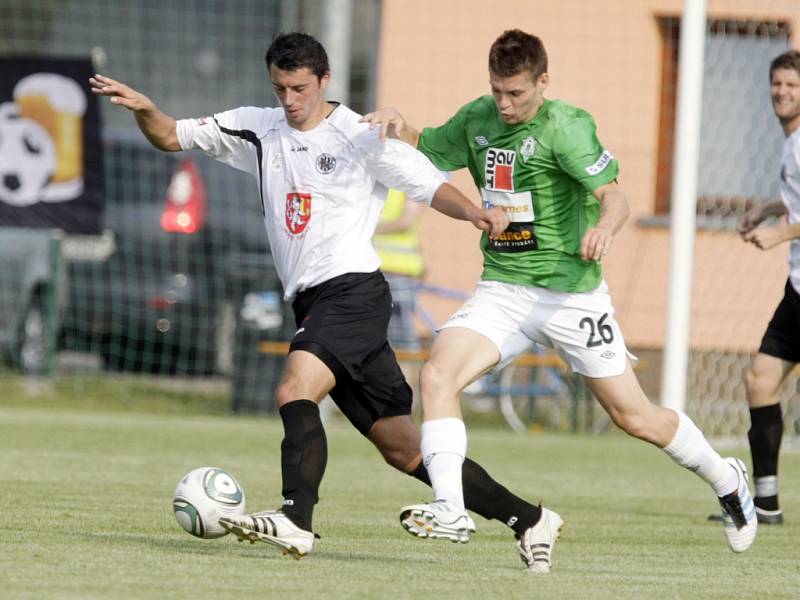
x=542, y=173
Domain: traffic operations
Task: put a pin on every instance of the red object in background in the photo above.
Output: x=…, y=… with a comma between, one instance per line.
x=185, y=205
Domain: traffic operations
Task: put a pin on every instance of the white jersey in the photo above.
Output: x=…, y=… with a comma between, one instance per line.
x=322, y=190
x=790, y=194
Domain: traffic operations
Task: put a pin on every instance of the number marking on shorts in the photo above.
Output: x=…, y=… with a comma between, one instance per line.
x=599, y=333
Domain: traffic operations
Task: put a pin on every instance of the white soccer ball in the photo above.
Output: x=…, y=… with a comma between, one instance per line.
x=202, y=497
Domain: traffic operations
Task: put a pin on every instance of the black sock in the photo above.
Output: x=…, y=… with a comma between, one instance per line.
x=304, y=454
x=489, y=499
x=766, y=432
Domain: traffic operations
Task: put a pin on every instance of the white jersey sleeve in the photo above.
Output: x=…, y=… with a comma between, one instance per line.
x=230, y=137
x=790, y=194
x=399, y=166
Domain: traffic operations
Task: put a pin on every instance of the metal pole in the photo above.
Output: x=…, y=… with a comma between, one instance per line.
x=52, y=301
x=290, y=16
x=337, y=25
x=684, y=202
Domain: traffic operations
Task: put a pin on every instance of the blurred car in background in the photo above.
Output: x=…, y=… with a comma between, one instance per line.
x=187, y=252
x=31, y=285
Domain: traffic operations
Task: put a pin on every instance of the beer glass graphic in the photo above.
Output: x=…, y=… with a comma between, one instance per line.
x=58, y=104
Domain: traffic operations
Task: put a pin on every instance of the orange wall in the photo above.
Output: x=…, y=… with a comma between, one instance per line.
x=604, y=57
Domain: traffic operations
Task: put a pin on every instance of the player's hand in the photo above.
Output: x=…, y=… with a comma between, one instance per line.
x=493, y=220
x=390, y=120
x=120, y=93
x=596, y=243
x=751, y=219
x=764, y=238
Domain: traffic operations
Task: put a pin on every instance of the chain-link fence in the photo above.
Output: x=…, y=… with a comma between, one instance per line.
x=153, y=292
x=178, y=280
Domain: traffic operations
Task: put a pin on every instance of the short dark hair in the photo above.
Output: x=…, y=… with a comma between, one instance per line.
x=293, y=51
x=787, y=60
x=516, y=51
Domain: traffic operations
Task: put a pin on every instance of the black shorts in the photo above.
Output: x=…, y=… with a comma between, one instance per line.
x=782, y=338
x=343, y=322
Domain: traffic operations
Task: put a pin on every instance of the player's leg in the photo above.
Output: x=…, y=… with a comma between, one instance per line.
x=676, y=434
x=481, y=334
x=380, y=408
x=535, y=528
x=458, y=356
x=304, y=454
x=398, y=441
x=583, y=329
x=304, y=450
x=763, y=380
x=343, y=321
x=778, y=353
x=485, y=332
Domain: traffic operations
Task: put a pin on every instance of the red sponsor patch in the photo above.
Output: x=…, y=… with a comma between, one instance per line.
x=298, y=212
x=504, y=178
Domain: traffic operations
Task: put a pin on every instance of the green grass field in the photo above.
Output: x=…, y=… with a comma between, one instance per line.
x=85, y=512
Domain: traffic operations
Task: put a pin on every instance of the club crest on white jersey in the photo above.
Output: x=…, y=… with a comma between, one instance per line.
x=298, y=212
x=326, y=163
x=500, y=169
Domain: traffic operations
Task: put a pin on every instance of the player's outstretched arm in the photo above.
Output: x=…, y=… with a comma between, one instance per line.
x=449, y=201
x=157, y=127
x=614, y=211
x=392, y=124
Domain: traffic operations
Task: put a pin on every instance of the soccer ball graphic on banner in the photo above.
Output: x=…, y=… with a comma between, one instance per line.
x=202, y=497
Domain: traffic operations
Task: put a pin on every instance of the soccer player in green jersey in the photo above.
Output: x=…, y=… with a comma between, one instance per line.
x=541, y=161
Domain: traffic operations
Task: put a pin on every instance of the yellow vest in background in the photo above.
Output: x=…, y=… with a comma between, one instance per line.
x=399, y=251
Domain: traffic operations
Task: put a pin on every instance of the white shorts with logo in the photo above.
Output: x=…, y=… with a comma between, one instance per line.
x=580, y=326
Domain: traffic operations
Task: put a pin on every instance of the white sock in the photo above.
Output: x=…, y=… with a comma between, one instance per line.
x=444, y=446
x=690, y=449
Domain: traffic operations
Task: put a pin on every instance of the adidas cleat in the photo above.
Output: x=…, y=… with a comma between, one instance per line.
x=738, y=512
x=272, y=527
x=535, y=545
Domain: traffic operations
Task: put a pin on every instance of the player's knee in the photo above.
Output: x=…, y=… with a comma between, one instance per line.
x=760, y=386
x=402, y=459
x=285, y=393
x=434, y=381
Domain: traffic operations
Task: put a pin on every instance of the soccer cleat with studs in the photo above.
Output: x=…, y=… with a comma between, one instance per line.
x=535, y=545
x=272, y=527
x=738, y=512
x=439, y=519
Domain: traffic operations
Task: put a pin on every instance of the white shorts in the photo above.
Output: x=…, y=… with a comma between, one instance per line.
x=580, y=326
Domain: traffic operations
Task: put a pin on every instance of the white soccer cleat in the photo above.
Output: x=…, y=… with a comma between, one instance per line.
x=535, y=545
x=272, y=527
x=439, y=519
x=738, y=512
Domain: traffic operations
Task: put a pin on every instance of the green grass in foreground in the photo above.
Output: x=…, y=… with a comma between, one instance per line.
x=86, y=513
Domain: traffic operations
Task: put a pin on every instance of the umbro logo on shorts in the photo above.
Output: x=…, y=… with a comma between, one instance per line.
x=607, y=354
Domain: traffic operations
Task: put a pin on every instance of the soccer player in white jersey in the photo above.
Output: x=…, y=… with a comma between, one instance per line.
x=780, y=347
x=542, y=282
x=323, y=177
